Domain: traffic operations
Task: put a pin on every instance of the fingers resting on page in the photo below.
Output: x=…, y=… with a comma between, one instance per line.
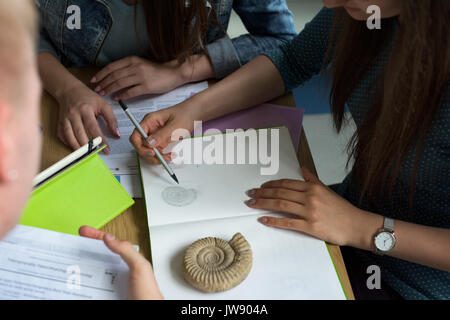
x=311, y=206
x=134, y=76
x=78, y=118
x=142, y=283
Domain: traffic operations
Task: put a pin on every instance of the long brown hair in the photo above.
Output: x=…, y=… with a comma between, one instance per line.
x=176, y=30
x=407, y=94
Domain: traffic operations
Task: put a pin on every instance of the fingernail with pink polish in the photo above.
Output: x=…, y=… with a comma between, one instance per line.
x=94, y=79
x=109, y=237
x=262, y=220
x=97, y=89
x=118, y=132
x=102, y=93
x=251, y=192
x=250, y=202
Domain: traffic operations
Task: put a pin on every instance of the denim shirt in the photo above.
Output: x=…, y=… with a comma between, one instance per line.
x=269, y=22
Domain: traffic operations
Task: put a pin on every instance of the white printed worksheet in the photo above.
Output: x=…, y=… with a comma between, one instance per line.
x=37, y=264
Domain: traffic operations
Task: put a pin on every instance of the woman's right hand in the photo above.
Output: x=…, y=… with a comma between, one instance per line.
x=160, y=126
x=79, y=109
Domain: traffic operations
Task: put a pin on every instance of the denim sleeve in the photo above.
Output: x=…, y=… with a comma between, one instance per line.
x=44, y=42
x=303, y=57
x=45, y=45
x=269, y=23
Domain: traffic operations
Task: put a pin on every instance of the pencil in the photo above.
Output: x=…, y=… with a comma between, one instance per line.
x=142, y=132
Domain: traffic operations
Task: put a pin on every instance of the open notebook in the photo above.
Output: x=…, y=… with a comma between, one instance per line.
x=286, y=264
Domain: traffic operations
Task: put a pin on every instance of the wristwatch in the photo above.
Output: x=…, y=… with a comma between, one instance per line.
x=385, y=239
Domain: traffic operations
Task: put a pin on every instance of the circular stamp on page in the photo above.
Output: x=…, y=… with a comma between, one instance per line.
x=178, y=196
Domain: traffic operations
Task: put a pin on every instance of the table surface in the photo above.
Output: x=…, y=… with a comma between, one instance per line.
x=132, y=224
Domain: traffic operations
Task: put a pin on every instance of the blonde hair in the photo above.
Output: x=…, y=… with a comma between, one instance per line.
x=19, y=14
x=17, y=43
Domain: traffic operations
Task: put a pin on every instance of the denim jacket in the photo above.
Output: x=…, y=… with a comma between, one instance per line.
x=269, y=22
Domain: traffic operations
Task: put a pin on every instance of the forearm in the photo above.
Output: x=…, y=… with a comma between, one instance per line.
x=255, y=83
x=197, y=68
x=55, y=77
x=415, y=243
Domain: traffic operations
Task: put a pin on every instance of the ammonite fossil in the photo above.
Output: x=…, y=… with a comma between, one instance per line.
x=213, y=264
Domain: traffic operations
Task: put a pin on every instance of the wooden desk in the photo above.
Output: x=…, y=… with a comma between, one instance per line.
x=132, y=224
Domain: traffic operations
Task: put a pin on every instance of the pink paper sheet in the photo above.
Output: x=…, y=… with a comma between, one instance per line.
x=262, y=116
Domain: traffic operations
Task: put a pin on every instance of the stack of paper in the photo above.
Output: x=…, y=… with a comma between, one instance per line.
x=209, y=202
x=41, y=264
x=123, y=160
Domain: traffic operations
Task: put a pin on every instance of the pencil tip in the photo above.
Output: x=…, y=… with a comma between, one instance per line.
x=175, y=178
x=124, y=107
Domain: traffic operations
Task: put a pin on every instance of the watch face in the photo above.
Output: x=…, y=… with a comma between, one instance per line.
x=384, y=241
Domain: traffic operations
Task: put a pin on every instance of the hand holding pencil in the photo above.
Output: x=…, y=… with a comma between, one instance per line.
x=160, y=126
x=145, y=136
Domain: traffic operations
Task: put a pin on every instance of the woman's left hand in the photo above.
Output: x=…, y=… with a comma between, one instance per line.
x=319, y=211
x=140, y=76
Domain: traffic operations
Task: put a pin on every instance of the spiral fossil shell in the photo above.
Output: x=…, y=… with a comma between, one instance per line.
x=213, y=265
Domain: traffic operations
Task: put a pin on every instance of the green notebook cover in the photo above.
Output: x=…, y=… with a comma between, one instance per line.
x=85, y=194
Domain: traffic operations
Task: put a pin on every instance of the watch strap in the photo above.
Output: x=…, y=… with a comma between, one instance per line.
x=389, y=224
